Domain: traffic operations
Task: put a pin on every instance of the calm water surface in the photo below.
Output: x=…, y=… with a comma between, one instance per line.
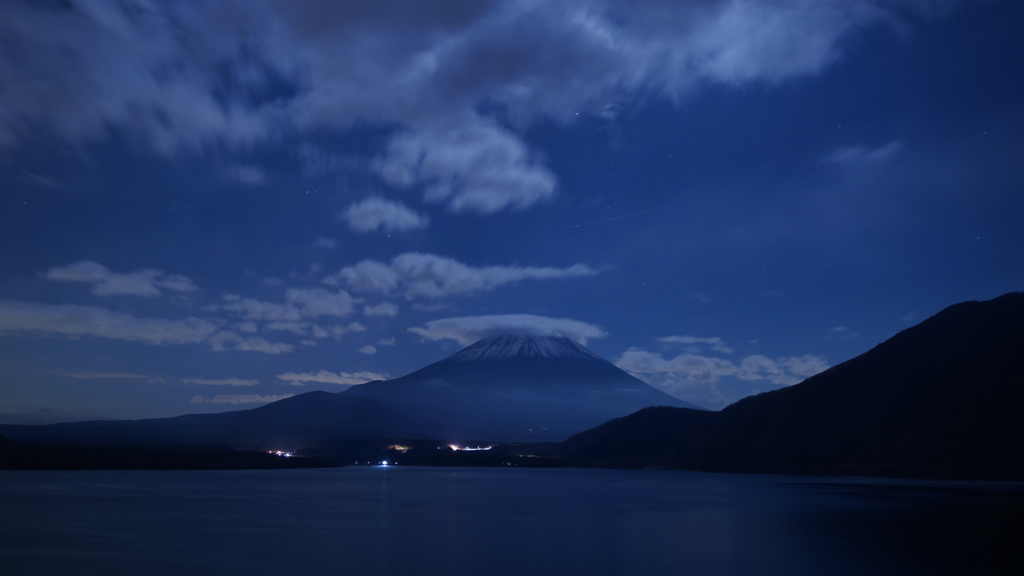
x=407, y=521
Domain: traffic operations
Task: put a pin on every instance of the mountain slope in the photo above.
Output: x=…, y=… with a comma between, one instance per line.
x=284, y=424
x=652, y=436
x=516, y=388
x=944, y=396
x=943, y=399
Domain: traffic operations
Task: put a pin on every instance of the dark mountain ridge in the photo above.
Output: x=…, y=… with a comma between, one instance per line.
x=655, y=436
x=943, y=399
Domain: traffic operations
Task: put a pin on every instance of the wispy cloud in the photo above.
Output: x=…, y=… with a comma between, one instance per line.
x=338, y=330
x=41, y=181
x=473, y=165
x=106, y=375
x=252, y=309
x=382, y=309
x=861, y=154
x=377, y=213
x=325, y=377
x=690, y=377
x=695, y=377
x=75, y=321
x=841, y=333
x=418, y=275
x=715, y=343
x=319, y=302
x=299, y=328
x=225, y=340
x=222, y=382
x=143, y=282
x=430, y=307
x=325, y=243
x=299, y=303
x=469, y=329
x=240, y=398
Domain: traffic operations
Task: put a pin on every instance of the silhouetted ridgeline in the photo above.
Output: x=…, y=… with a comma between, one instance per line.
x=22, y=456
x=944, y=399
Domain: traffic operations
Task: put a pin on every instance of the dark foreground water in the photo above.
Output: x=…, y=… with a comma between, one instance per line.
x=408, y=521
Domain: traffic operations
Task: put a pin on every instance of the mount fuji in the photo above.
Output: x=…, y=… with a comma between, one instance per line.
x=516, y=388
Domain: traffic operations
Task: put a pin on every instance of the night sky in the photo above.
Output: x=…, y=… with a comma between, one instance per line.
x=210, y=206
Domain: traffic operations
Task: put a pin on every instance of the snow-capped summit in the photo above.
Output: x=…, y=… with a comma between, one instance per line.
x=510, y=346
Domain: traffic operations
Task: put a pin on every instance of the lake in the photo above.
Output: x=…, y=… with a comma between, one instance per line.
x=462, y=521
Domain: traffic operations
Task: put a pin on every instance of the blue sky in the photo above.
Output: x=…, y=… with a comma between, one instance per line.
x=208, y=207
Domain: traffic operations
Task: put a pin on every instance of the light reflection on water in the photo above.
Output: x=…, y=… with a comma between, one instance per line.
x=448, y=521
